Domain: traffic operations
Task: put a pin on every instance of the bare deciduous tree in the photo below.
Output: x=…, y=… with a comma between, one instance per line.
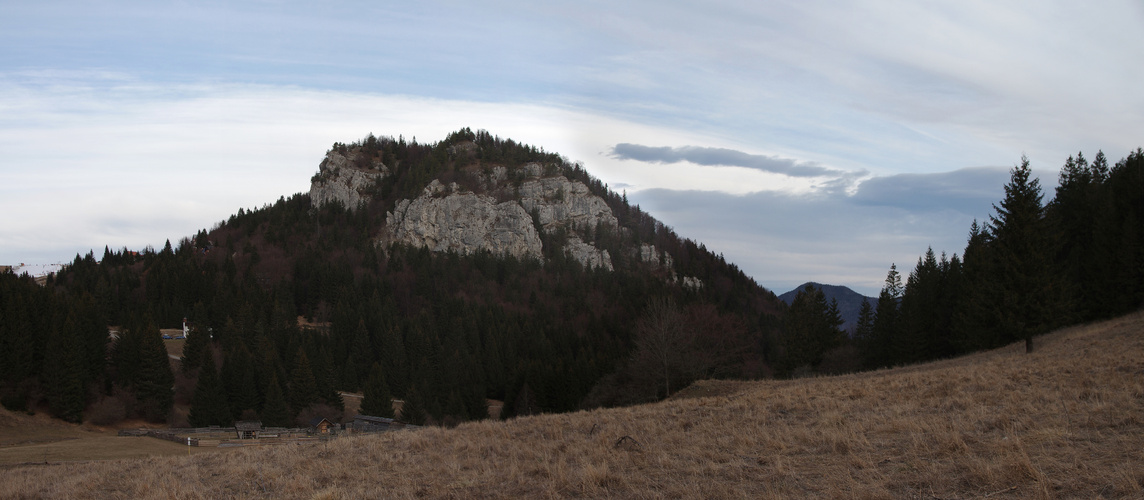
x=662, y=340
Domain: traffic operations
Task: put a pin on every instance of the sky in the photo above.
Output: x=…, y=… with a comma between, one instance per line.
x=804, y=141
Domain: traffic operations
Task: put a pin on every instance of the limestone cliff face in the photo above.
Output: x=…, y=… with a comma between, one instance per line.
x=587, y=254
x=340, y=179
x=442, y=219
x=563, y=203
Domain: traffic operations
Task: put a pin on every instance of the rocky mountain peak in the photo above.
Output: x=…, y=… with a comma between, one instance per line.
x=345, y=176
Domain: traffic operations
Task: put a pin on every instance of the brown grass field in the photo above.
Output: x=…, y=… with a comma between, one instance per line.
x=41, y=440
x=1066, y=421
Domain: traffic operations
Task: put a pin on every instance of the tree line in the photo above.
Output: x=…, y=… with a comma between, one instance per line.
x=1033, y=266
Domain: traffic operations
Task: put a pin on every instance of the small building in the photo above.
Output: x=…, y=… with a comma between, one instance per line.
x=367, y=423
x=248, y=429
x=322, y=425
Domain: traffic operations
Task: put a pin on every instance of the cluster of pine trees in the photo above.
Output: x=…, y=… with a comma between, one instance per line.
x=55, y=350
x=1034, y=266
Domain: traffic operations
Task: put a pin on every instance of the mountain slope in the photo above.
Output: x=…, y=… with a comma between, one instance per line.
x=998, y=423
x=467, y=269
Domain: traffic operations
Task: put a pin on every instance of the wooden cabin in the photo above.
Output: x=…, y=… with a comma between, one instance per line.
x=322, y=426
x=248, y=429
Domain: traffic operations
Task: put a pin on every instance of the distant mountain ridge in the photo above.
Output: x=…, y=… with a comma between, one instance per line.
x=849, y=301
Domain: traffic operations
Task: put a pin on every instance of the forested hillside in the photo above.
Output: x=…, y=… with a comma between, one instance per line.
x=290, y=303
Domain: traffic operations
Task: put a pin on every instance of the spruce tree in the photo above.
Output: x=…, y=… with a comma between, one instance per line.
x=64, y=377
x=413, y=409
x=324, y=378
x=247, y=396
x=197, y=341
x=1030, y=293
x=303, y=387
x=974, y=322
x=209, y=405
x=920, y=337
x=377, y=400
x=154, y=388
x=864, y=330
x=274, y=412
x=886, y=322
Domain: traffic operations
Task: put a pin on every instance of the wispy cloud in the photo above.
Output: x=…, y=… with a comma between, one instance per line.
x=722, y=157
x=782, y=238
x=857, y=116
x=967, y=190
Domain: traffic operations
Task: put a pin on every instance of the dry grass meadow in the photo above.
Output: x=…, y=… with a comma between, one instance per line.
x=1064, y=422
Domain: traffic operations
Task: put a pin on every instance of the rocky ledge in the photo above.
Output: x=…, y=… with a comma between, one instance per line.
x=341, y=180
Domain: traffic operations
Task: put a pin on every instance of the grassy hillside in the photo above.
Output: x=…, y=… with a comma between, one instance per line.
x=1065, y=421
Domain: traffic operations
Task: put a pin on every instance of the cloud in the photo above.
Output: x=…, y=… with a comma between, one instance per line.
x=785, y=239
x=831, y=236
x=91, y=160
x=964, y=190
x=722, y=157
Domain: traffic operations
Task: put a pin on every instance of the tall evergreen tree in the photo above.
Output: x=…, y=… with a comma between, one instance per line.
x=209, y=404
x=1030, y=293
x=413, y=408
x=886, y=322
x=920, y=333
x=303, y=387
x=1072, y=215
x=64, y=377
x=154, y=388
x=324, y=378
x=247, y=399
x=864, y=329
x=274, y=412
x=197, y=342
x=974, y=324
x=377, y=400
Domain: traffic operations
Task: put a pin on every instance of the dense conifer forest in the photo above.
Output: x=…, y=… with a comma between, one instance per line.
x=290, y=305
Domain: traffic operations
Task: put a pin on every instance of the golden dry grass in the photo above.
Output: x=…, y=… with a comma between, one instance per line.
x=105, y=447
x=1064, y=422
x=40, y=439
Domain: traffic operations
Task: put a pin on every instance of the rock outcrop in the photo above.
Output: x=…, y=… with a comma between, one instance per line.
x=537, y=198
x=588, y=255
x=657, y=259
x=444, y=220
x=340, y=179
x=560, y=202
